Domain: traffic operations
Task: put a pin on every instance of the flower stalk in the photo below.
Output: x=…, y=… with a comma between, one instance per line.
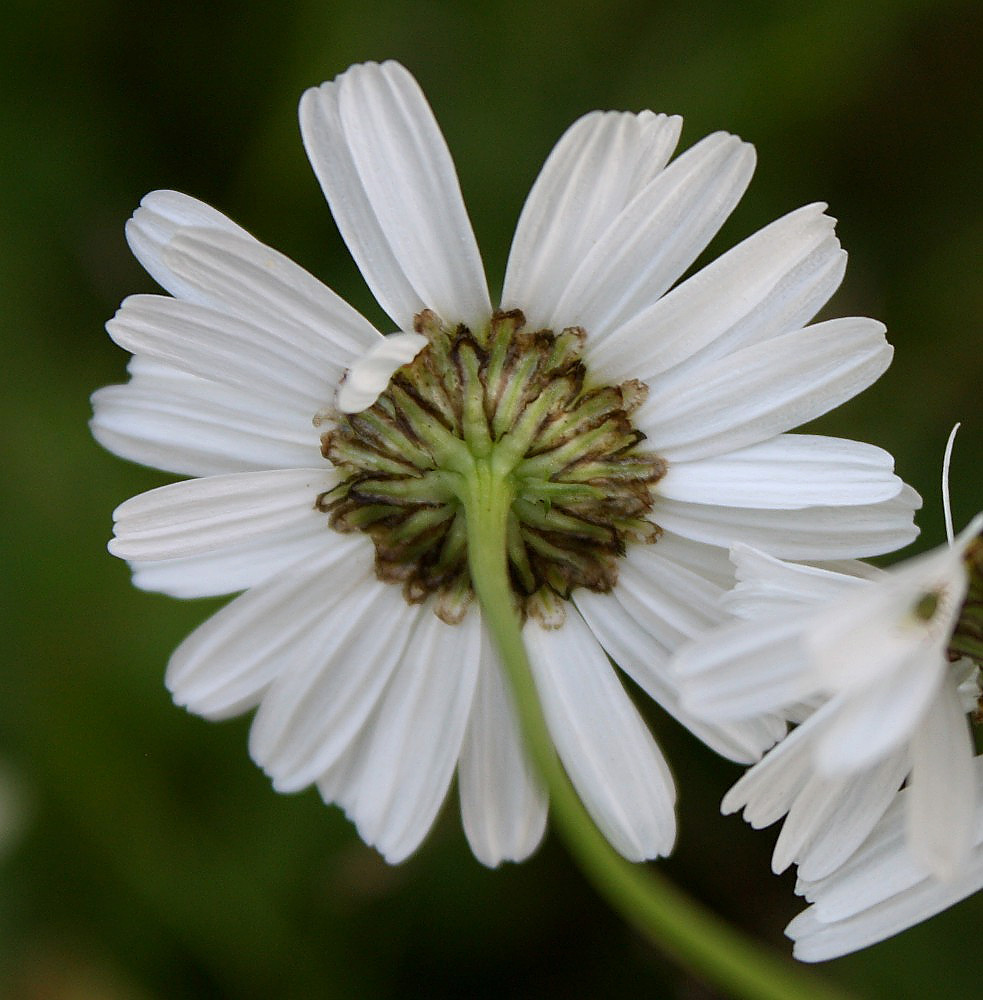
x=677, y=924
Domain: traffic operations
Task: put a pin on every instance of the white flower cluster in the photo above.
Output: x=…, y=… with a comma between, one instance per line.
x=277, y=397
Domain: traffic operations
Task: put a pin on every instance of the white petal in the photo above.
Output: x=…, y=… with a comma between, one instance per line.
x=788, y=471
x=656, y=237
x=769, y=586
x=763, y=390
x=600, y=163
x=831, y=817
x=222, y=348
x=218, y=512
x=873, y=722
x=321, y=700
x=503, y=801
x=745, y=669
x=370, y=374
x=712, y=562
x=766, y=791
x=672, y=602
x=225, y=665
x=244, y=278
x=882, y=620
x=772, y=283
x=941, y=802
x=644, y=660
x=881, y=890
x=161, y=215
x=388, y=176
x=416, y=737
x=226, y=571
x=177, y=422
x=812, y=533
x=602, y=741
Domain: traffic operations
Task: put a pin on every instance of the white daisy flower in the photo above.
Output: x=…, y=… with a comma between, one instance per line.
x=882, y=890
x=882, y=668
x=621, y=414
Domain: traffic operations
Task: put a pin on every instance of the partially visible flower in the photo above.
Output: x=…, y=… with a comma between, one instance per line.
x=881, y=669
x=882, y=890
x=639, y=431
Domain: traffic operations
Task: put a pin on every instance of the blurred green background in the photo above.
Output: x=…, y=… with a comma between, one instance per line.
x=143, y=854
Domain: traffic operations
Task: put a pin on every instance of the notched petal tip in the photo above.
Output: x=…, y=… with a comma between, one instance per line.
x=370, y=375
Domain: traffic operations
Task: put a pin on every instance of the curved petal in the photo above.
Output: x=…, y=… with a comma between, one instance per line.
x=371, y=373
x=772, y=283
x=602, y=741
x=768, y=586
x=645, y=662
x=225, y=666
x=763, y=390
x=671, y=601
x=218, y=512
x=745, y=669
x=789, y=471
x=320, y=701
x=881, y=890
x=242, y=277
x=503, y=801
x=221, y=348
x=810, y=533
x=942, y=801
x=408, y=757
x=872, y=723
x=388, y=176
x=656, y=237
x=170, y=420
x=160, y=217
x=600, y=163
x=831, y=817
x=225, y=571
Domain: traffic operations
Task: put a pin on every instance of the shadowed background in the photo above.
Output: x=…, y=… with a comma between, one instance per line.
x=142, y=854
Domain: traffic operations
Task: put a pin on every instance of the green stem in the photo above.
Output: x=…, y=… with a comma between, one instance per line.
x=683, y=928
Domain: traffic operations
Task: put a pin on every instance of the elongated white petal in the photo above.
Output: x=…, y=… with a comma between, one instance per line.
x=767, y=586
x=244, y=278
x=772, y=283
x=503, y=801
x=745, y=669
x=831, y=817
x=882, y=889
x=201, y=515
x=227, y=570
x=416, y=736
x=389, y=179
x=711, y=562
x=161, y=215
x=180, y=423
x=671, y=601
x=320, y=702
x=874, y=721
x=656, y=237
x=644, y=660
x=605, y=747
x=223, y=349
x=225, y=666
x=764, y=390
x=885, y=622
x=941, y=802
x=371, y=373
x=788, y=471
x=810, y=533
x=599, y=165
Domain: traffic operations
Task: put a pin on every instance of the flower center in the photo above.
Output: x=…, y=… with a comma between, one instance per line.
x=519, y=402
